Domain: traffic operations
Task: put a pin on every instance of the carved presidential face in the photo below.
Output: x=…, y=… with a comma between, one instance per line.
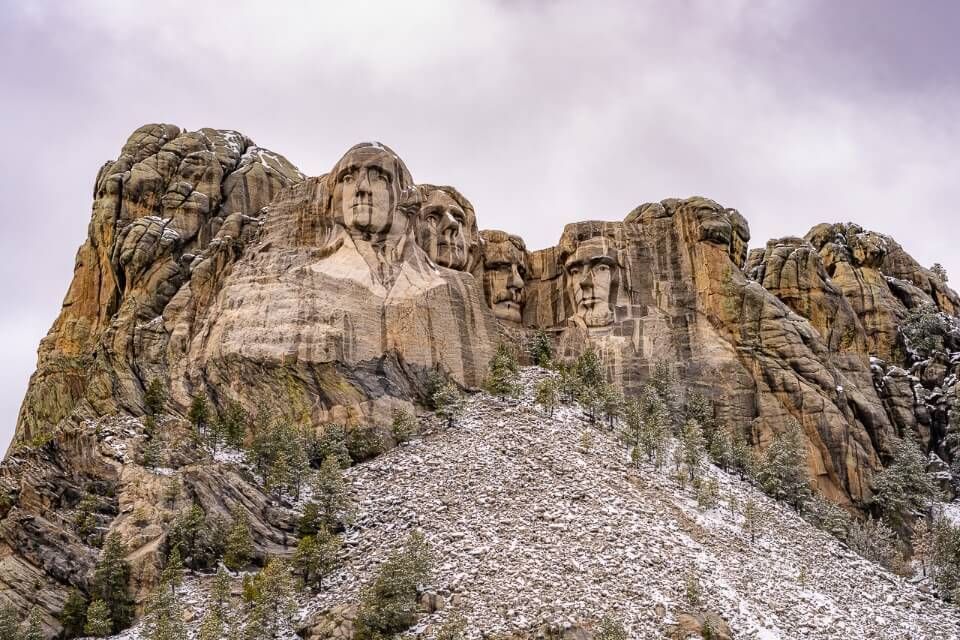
x=505, y=272
x=366, y=190
x=592, y=273
x=447, y=230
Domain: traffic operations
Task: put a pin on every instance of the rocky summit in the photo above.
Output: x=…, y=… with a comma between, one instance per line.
x=216, y=269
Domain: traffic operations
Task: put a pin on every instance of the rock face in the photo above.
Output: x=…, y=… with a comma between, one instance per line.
x=218, y=268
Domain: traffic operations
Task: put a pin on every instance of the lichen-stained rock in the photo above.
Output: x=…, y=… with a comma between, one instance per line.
x=879, y=280
x=155, y=209
x=667, y=285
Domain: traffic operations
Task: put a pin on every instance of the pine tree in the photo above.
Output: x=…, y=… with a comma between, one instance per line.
x=504, y=370
x=403, y=425
x=783, y=472
x=199, y=414
x=274, y=606
x=316, y=557
x=875, y=541
x=163, y=619
x=541, y=349
x=754, y=519
x=448, y=402
x=693, y=445
x=646, y=425
x=239, y=546
x=233, y=424
x=904, y=490
x=590, y=382
x=612, y=402
x=664, y=383
x=172, y=574
x=155, y=397
x=330, y=496
x=547, y=395
x=151, y=453
x=827, y=516
x=212, y=626
x=389, y=604
x=332, y=441
x=110, y=584
x=924, y=544
x=74, y=614
x=99, y=624
x=940, y=272
x=200, y=542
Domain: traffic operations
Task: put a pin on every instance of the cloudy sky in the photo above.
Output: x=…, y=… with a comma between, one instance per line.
x=542, y=113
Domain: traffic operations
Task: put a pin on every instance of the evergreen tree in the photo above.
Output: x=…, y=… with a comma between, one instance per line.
x=172, y=574
x=9, y=624
x=940, y=272
x=199, y=542
x=233, y=424
x=34, y=629
x=646, y=427
x=389, y=604
x=504, y=370
x=694, y=448
x=212, y=626
x=99, y=623
x=316, y=557
x=110, y=585
x=874, y=540
x=403, y=425
x=924, y=329
x=612, y=403
x=85, y=519
x=664, y=383
x=924, y=544
x=364, y=443
x=330, y=496
x=332, y=441
x=199, y=414
x=448, y=402
x=827, y=516
x=744, y=460
x=904, y=490
x=274, y=606
x=754, y=519
x=155, y=397
x=163, y=618
x=541, y=349
x=239, y=544
x=151, y=453
x=74, y=614
x=783, y=472
x=547, y=395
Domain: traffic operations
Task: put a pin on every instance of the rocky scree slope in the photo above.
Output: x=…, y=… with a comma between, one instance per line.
x=533, y=531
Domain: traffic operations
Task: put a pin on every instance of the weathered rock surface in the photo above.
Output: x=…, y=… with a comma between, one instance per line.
x=218, y=268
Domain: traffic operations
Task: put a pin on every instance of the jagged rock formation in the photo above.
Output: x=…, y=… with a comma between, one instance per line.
x=218, y=268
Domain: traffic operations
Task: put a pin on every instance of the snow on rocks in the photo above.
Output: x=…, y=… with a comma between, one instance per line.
x=528, y=527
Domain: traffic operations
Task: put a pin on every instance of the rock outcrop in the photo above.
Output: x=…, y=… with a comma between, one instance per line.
x=218, y=268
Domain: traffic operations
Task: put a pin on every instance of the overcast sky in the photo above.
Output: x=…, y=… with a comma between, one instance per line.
x=542, y=113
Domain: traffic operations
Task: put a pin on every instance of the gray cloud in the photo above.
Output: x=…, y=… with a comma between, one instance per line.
x=541, y=113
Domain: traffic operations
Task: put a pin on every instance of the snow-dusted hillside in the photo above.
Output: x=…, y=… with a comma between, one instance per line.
x=528, y=526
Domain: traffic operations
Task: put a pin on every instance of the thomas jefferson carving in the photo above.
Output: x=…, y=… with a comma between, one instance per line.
x=446, y=228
